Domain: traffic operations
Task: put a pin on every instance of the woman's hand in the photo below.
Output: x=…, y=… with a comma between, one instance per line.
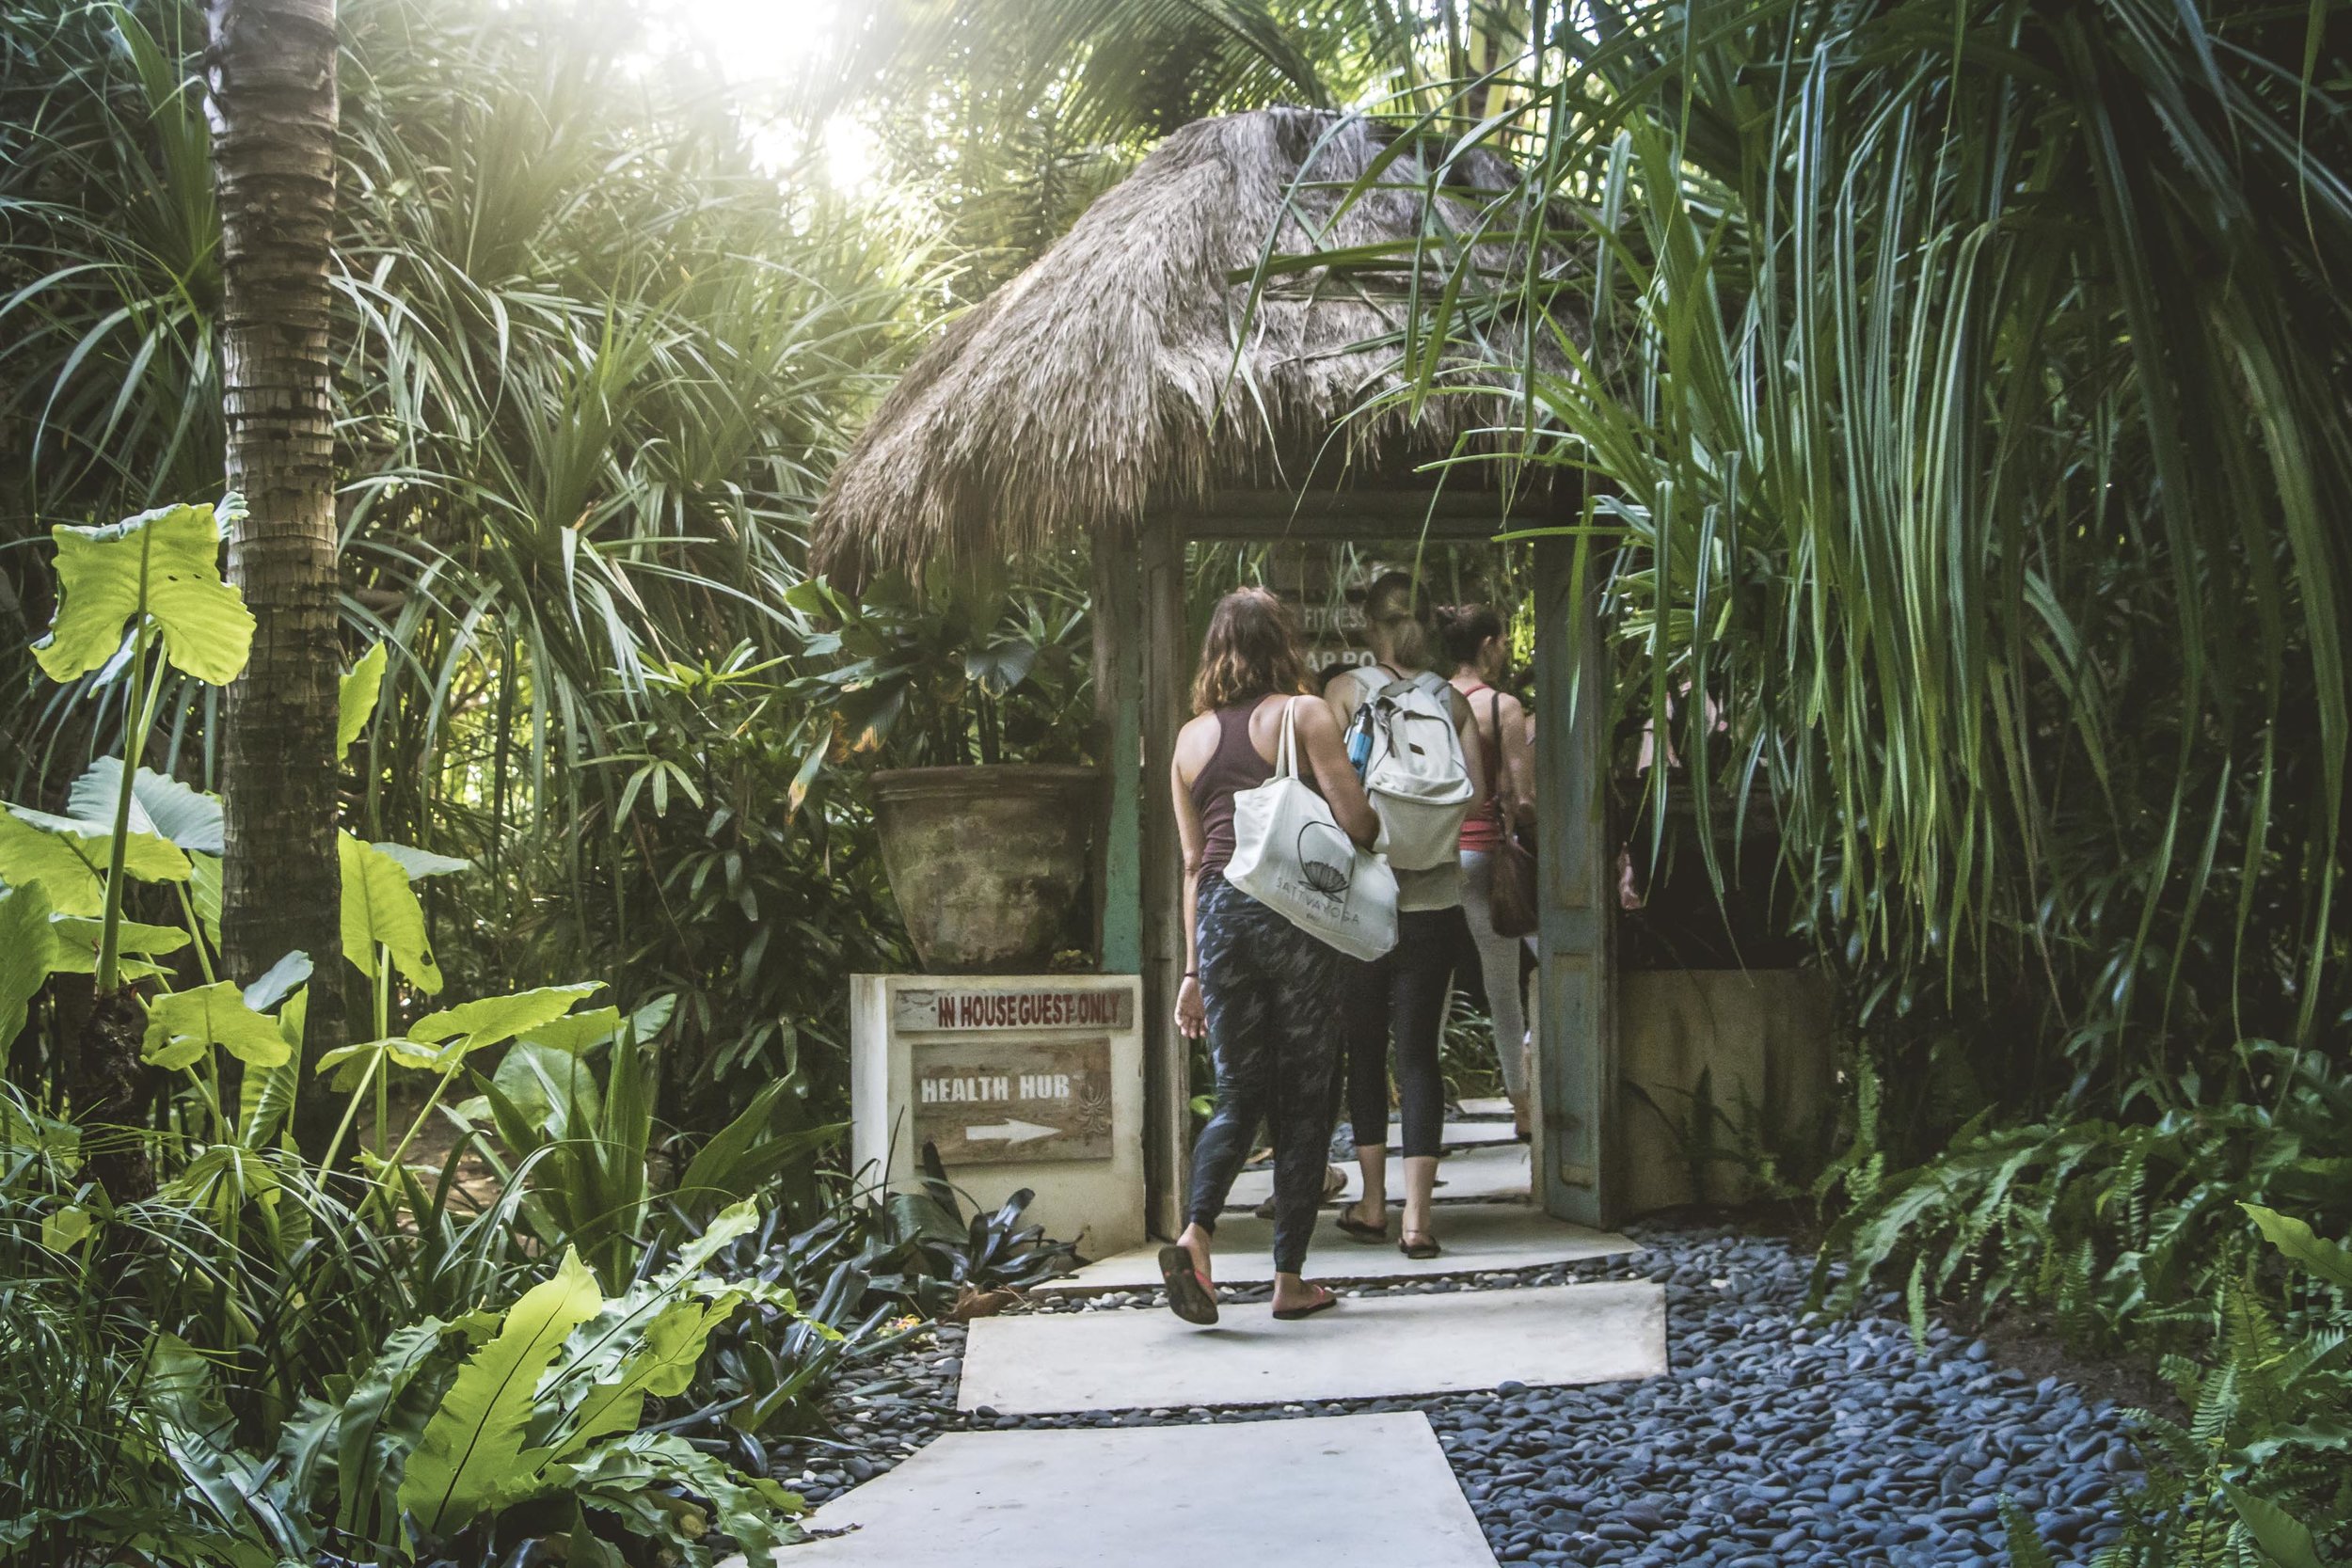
x=1192, y=1019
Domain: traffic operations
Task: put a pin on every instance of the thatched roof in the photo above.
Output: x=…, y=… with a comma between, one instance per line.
x=1105, y=380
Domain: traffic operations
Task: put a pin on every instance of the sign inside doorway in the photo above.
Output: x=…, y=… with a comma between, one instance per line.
x=1327, y=597
x=995, y=1101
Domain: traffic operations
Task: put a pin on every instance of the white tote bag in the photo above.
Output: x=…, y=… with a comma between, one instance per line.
x=1290, y=855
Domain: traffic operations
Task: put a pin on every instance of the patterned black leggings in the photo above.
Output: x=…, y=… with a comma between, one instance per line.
x=1272, y=996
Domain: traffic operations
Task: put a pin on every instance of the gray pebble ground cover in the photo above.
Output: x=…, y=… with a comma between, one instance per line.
x=1776, y=1438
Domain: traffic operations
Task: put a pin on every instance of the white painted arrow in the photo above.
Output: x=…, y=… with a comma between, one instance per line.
x=1008, y=1132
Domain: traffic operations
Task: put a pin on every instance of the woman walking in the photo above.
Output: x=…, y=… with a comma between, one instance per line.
x=1472, y=637
x=1265, y=993
x=1399, y=1000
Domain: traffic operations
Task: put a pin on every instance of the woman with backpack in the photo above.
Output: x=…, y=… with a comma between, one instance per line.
x=1411, y=733
x=1264, y=990
x=1473, y=635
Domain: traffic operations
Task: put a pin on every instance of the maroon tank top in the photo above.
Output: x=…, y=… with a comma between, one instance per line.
x=1235, y=766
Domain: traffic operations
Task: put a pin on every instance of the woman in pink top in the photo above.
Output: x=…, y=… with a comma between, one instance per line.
x=1473, y=641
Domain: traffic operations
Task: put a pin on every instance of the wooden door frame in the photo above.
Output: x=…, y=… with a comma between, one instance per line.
x=1142, y=668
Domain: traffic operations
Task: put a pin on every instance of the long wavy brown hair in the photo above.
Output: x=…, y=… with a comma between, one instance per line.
x=1251, y=651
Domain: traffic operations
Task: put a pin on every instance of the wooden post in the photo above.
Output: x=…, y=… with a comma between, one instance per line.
x=1117, y=711
x=1166, y=1055
x=1577, y=1075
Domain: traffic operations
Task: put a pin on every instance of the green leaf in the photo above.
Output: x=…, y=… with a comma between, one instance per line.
x=77, y=938
x=144, y=855
x=356, y=697
x=181, y=1027
x=626, y=1476
x=540, y=1086
x=278, y=981
x=663, y=1366
x=266, y=1096
x=66, y=1228
x=2295, y=1239
x=164, y=563
x=424, y=862
x=204, y=892
x=2282, y=1538
x=495, y=1020
x=472, y=1445
x=163, y=806
x=62, y=867
x=577, y=1031
x=347, y=1061
x=28, y=953
x=379, y=908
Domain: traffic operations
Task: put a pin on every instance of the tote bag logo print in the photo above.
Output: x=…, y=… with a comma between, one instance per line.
x=1326, y=858
x=1290, y=855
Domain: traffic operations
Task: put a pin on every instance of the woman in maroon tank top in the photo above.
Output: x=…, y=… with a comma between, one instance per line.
x=1265, y=993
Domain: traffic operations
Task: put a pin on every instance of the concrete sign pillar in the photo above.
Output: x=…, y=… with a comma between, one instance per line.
x=1018, y=1082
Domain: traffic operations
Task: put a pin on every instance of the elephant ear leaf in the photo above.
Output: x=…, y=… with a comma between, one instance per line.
x=472, y=1447
x=380, y=909
x=64, y=854
x=158, y=806
x=494, y=1020
x=355, y=698
x=164, y=564
x=64, y=869
x=181, y=1027
x=28, y=951
x=2297, y=1240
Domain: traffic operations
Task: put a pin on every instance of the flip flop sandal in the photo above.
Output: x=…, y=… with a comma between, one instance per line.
x=1292, y=1314
x=1425, y=1247
x=1357, y=1230
x=1189, y=1296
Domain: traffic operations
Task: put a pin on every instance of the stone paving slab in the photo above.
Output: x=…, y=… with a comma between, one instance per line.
x=1367, y=1347
x=1489, y=1171
x=1175, y=1497
x=1458, y=1134
x=1500, y=1105
x=1476, y=1238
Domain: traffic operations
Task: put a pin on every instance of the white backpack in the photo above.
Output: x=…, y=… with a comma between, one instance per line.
x=1416, y=776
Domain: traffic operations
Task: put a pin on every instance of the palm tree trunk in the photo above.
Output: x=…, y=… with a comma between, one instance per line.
x=270, y=70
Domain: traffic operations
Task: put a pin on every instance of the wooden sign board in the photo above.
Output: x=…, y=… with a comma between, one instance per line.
x=1032, y=1010
x=1008, y=1101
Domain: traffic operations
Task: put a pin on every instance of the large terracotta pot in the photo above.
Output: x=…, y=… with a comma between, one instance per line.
x=987, y=863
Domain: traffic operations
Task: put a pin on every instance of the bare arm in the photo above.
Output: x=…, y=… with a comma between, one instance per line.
x=1342, y=698
x=1191, y=1019
x=1325, y=756
x=1519, y=763
x=1473, y=750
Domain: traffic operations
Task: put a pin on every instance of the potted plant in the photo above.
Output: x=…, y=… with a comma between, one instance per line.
x=967, y=706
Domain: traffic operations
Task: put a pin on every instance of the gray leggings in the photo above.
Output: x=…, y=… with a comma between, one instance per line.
x=1498, y=963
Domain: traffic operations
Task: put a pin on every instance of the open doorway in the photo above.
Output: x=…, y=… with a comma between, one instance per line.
x=1324, y=582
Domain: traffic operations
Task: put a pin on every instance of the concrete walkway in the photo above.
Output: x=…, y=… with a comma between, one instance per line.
x=1476, y=1238
x=1183, y=1497
x=1154, y=1494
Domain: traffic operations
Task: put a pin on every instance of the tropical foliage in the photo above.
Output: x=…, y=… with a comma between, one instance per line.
x=1962, y=425
x=1959, y=423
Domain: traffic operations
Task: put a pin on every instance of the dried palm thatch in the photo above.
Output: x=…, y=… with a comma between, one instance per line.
x=1143, y=361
